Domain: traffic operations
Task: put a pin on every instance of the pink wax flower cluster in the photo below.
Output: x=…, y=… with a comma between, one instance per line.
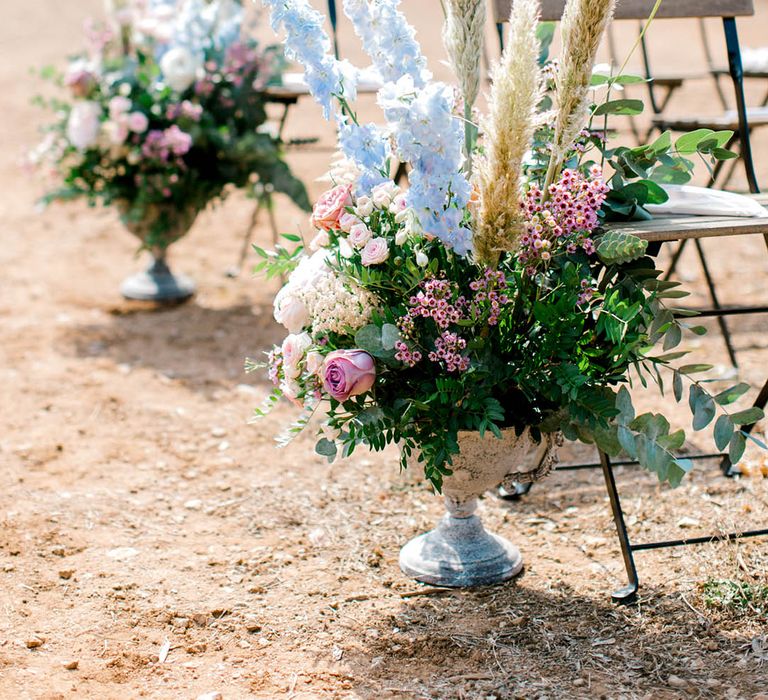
x=161, y=144
x=448, y=349
x=406, y=355
x=570, y=214
x=434, y=301
x=348, y=373
x=490, y=288
x=185, y=110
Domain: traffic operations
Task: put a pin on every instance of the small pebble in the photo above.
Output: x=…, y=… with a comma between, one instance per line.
x=677, y=682
x=213, y=695
x=66, y=574
x=218, y=432
x=34, y=642
x=72, y=665
x=579, y=682
x=194, y=504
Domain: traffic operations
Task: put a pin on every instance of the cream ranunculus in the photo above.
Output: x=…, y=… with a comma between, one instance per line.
x=83, y=124
x=179, y=67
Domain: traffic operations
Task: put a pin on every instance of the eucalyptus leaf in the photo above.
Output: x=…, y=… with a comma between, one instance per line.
x=748, y=416
x=737, y=447
x=723, y=432
x=626, y=107
x=731, y=394
x=369, y=339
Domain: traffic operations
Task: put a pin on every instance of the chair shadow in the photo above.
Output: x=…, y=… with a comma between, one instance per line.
x=203, y=347
x=510, y=641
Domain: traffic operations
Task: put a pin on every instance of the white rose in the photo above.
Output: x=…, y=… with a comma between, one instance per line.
x=360, y=235
x=290, y=311
x=376, y=251
x=83, y=124
x=315, y=361
x=421, y=259
x=399, y=203
x=401, y=236
x=381, y=196
x=179, y=67
x=364, y=206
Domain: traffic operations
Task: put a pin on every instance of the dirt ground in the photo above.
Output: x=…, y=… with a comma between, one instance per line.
x=161, y=545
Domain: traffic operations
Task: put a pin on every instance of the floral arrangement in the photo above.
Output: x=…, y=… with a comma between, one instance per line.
x=164, y=112
x=491, y=293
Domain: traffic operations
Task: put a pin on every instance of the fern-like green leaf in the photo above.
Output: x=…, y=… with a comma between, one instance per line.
x=618, y=247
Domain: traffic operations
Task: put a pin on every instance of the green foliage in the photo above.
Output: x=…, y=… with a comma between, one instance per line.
x=741, y=598
x=618, y=247
x=279, y=262
x=640, y=172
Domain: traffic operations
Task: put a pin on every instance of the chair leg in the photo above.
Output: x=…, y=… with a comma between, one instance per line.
x=737, y=75
x=675, y=259
x=628, y=594
x=716, y=303
x=238, y=268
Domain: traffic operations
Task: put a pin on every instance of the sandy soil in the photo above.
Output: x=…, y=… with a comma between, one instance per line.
x=167, y=549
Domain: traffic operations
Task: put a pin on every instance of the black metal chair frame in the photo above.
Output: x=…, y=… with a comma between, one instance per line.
x=628, y=593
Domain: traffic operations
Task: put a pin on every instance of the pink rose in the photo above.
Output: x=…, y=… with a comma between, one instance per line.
x=137, y=122
x=80, y=79
x=359, y=235
x=348, y=373
x=118, y=106
x=329, y=208
x=376, y=251
x=347, y=221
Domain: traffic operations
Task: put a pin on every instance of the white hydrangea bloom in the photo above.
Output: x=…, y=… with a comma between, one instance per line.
x=333, y=305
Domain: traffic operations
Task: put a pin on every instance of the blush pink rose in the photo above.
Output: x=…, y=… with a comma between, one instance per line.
x=348, y=373
x=359, y=235
x=376, y=251
x=330, y=207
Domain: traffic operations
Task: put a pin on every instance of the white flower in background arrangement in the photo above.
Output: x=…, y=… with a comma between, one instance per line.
x=83, y=124
x=180, y=68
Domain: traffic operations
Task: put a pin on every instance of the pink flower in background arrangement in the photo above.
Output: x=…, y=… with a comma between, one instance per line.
x=348, y=373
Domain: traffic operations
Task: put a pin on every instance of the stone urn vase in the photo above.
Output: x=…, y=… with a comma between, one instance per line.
x=160, y=225
x=459, y=552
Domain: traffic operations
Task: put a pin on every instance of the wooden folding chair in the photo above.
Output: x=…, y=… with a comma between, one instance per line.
x=671, y=229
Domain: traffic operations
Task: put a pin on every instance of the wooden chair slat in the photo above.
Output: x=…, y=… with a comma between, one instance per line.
x=552, y=10
x=678, y=228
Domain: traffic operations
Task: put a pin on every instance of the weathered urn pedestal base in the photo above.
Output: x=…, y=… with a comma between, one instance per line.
x=158, y=227
x=157, y=283
x=459, y=552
